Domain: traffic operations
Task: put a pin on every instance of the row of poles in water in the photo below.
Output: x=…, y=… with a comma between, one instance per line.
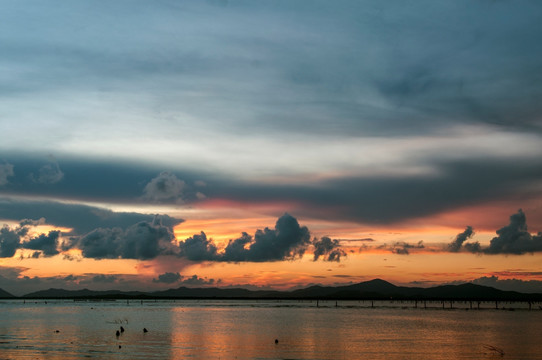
x=450, y=302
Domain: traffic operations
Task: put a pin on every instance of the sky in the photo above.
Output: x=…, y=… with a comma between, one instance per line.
x=277, y=144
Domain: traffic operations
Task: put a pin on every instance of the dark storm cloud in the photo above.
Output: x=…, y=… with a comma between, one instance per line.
x=287, y=241
x=328, y=249
x=473, y=247
x=198, y=248
x=47, y=244
x=514, y=238
x=375, y=199
x=168, y=278
x=387, y=199
x=236, y=249
x=196, y=280
x=141, y=241
x=10, y=240
x=81, y=218
x=455, y=245
x=83, y=179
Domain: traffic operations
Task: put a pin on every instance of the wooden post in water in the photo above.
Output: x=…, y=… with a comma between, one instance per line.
x=496, y=305
x=451, y=304
x=372, y=304
x=470, y=304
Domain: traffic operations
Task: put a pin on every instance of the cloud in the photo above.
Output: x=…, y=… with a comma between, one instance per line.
x=400, y=247
x=287, y=241
x=198, y=248
x=46, y=244
x=142, y=241
x=387, y=72
x=455, y=245
x=31, y=222
x=168, y=278
x=10, y=238
x=9, y=241
x=6, y=170
x=195, y=280
x=101, y=243
x=49, y=173
x=514, y=238
x=389, y=198
x=473, y=247
x=327, y=247
x=166, y=186
x=403, y=247
x=81, y=218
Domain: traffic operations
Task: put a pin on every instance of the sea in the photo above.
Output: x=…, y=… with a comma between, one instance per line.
x=268, y=329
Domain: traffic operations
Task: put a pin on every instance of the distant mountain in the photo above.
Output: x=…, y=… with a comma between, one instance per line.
x=84, y=293
x=374, y=289
x=5, y=295
x=232, y=293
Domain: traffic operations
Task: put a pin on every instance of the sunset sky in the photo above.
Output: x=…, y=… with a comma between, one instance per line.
x=147, y=145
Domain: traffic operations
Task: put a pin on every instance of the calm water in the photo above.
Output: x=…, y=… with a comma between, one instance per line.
x=248, y=329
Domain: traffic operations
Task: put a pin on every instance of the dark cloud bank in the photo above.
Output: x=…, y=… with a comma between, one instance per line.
x=287, y=241
x=378, y=199
x=104, y=234
x=144, y=237
x=100, y=233
x=511, y=239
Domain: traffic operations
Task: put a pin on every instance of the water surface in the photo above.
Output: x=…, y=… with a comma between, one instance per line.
x=248, y=329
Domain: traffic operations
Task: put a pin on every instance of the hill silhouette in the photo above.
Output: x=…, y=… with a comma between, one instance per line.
x=376, y=289
x=5, y=295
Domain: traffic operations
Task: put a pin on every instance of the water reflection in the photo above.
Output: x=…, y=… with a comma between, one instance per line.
x=247, y=330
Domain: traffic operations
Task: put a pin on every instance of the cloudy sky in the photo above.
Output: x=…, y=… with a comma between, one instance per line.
x=277, y=144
